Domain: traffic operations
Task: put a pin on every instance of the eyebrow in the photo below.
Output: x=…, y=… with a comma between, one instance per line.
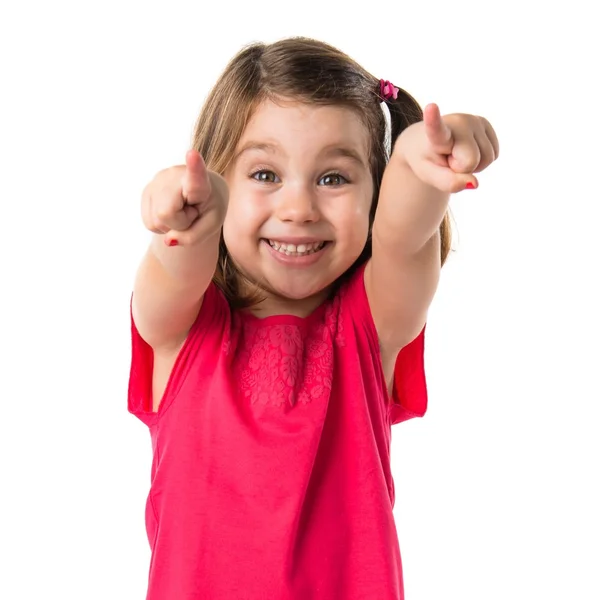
x=332, y=151
x=261, y=146
x=343, y=151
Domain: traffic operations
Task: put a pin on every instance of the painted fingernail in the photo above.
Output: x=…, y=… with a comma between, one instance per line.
x=469, y=186
x=173, y=243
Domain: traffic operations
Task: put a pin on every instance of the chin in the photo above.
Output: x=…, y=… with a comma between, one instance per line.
x=297, y=292
x=295, y=286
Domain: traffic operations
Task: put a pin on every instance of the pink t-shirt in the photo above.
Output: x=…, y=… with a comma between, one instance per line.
x=271, y=471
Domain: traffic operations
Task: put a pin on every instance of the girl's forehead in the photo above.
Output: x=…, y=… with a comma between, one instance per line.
x=295, y=123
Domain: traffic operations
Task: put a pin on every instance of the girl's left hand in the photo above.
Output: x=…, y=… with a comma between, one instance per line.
x=444, y=152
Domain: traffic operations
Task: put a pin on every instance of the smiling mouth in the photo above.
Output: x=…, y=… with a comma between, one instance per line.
x=296, y=249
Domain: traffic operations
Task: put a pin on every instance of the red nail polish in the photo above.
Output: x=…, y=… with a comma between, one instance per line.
x=173, y=243
x=469, y=186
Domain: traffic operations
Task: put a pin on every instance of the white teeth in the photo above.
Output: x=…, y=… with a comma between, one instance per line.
x=296, y=250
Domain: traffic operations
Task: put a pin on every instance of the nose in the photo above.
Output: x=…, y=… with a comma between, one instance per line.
x=297, y=204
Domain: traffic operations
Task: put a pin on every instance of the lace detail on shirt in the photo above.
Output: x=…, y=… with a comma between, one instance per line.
x=283, y=364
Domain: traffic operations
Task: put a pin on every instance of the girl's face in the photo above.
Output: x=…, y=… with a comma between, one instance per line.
x=300, y=192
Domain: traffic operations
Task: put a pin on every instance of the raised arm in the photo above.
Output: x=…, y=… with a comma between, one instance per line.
x=431, y=160
x=184, y=207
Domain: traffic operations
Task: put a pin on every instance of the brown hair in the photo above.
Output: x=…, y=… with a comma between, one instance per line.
x=308, y=71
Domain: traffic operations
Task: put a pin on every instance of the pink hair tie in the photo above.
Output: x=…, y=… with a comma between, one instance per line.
x=387, y=90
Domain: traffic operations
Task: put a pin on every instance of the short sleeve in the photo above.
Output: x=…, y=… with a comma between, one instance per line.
x=139, y=401
x=409, y=395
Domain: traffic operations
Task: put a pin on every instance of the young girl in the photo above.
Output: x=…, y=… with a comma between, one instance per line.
x=278, y=322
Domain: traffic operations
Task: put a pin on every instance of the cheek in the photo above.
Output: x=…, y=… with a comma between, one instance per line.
x=245, y=214
x=353, y=222
x=360, y=228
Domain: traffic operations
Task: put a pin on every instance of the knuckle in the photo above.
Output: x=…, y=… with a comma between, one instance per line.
x=167, y=208
x=471, y=164
x=175, y=171
x=156, y=226
x=163, y=213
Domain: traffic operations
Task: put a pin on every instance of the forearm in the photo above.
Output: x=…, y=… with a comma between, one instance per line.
x=409, y=212
x=169, y=288
x=187, y=266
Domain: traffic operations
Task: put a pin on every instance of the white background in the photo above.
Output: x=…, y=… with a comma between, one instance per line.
x=498, y=486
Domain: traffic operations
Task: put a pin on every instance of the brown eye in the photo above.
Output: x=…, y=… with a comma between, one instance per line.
x=265, y=177
x=332, y=179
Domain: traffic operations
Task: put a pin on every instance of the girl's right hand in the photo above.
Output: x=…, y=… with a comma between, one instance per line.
x=186, y=203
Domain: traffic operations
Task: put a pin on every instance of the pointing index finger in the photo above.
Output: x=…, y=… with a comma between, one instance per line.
x=438, y=132
x=195, y=183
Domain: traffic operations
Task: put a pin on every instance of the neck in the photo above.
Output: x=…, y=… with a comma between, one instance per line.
x=274, y=304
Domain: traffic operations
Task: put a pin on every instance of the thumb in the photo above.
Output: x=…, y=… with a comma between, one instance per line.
x=446, y=180
x=460, y=182
x=195, y=184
